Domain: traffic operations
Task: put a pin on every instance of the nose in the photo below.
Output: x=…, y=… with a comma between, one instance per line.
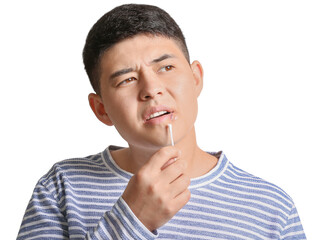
x=151, y=88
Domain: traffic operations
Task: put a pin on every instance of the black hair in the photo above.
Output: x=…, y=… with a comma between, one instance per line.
x=124, y=22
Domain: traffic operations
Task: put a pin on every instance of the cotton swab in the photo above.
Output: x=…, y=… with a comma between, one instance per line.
x=170, y=133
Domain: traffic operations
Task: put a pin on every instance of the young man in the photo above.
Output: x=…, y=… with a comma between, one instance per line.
x=138, y=64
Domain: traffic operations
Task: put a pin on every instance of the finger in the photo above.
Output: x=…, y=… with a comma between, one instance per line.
x=179, y=185
x=180, y=200
x=173, y=171
x=169, y=162
x=158, y=160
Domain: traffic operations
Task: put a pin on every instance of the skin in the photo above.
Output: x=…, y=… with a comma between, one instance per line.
x=141, y=75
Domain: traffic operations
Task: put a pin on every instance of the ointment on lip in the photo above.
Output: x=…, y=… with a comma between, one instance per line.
x=170, y=131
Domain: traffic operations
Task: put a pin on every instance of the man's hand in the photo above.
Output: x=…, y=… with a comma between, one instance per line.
x=159, y=189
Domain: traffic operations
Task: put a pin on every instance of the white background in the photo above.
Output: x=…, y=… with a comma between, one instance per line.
x=266, y=101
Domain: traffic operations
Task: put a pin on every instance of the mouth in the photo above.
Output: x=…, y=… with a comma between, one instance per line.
x=158, y=114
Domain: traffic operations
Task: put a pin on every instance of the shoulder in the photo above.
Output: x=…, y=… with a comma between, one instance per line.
x=274, y=203
x=233, y=177
x=255, y=192
x=244, y=188
x=236, y=176
x=74, y=170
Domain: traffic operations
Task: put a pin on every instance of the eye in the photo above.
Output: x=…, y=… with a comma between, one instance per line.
x=127, y=81
x=166, y=68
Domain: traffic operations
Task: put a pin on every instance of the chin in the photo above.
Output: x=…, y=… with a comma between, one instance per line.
x=152, y=144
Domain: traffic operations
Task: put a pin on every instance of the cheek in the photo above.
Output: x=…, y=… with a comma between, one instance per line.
x=120, y=111
x=187, y=99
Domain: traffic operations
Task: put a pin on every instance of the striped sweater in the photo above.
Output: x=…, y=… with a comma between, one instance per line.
x=81, y=199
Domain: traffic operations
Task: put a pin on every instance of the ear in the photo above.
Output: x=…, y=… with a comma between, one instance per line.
x=97, y=106
x=197, y=71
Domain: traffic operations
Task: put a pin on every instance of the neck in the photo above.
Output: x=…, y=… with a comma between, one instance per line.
x=198, y=162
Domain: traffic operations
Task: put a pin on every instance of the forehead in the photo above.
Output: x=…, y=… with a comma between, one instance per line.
x=140, y=49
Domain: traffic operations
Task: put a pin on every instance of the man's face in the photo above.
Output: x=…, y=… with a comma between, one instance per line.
x=147, y=83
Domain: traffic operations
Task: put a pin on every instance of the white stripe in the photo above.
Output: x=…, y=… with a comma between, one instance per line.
x=42, y=214
x=41, y=229
x=95, y=184
x=89, y=189
x=34, y=201
x=80, y=236
x=35, y=207
x=84, y=224
x=88, y=234
x=47, y=236
x=90, y=203
x=98, y=235
x=292, y=225
x=87, y=163
x=85, y=170
x=294, y=215
x=104, y=179
x=88, y=216
x=97, y=161
x=111, y=225
x=41, y=189
x=80, y=170
x=77, y=228
x=299, y=232
x=89, y=157
x=82, y=210
x=44, y=199
x=90, y=196
x=44, y=221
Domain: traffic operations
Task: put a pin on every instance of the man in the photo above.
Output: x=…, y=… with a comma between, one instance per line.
x=138, y=64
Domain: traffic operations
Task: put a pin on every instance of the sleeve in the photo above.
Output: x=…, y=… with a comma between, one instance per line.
x=293, y=228
x=121, y=223
x=44, y=219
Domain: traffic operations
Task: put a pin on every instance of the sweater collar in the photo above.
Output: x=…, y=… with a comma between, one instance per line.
x=197, y=182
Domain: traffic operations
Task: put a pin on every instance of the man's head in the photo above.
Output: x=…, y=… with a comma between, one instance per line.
x=145, y=80
x=123, y=22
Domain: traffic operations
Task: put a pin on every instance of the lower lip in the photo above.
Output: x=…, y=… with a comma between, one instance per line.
x=161, y=119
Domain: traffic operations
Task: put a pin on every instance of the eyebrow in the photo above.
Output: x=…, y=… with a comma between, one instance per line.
x=162, y=57
x=121, y=72
x=128, y=70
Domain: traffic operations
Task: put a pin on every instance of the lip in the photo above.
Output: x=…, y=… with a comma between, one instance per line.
x=155, y=109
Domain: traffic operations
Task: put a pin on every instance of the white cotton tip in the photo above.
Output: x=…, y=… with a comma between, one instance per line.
x=170, y=133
